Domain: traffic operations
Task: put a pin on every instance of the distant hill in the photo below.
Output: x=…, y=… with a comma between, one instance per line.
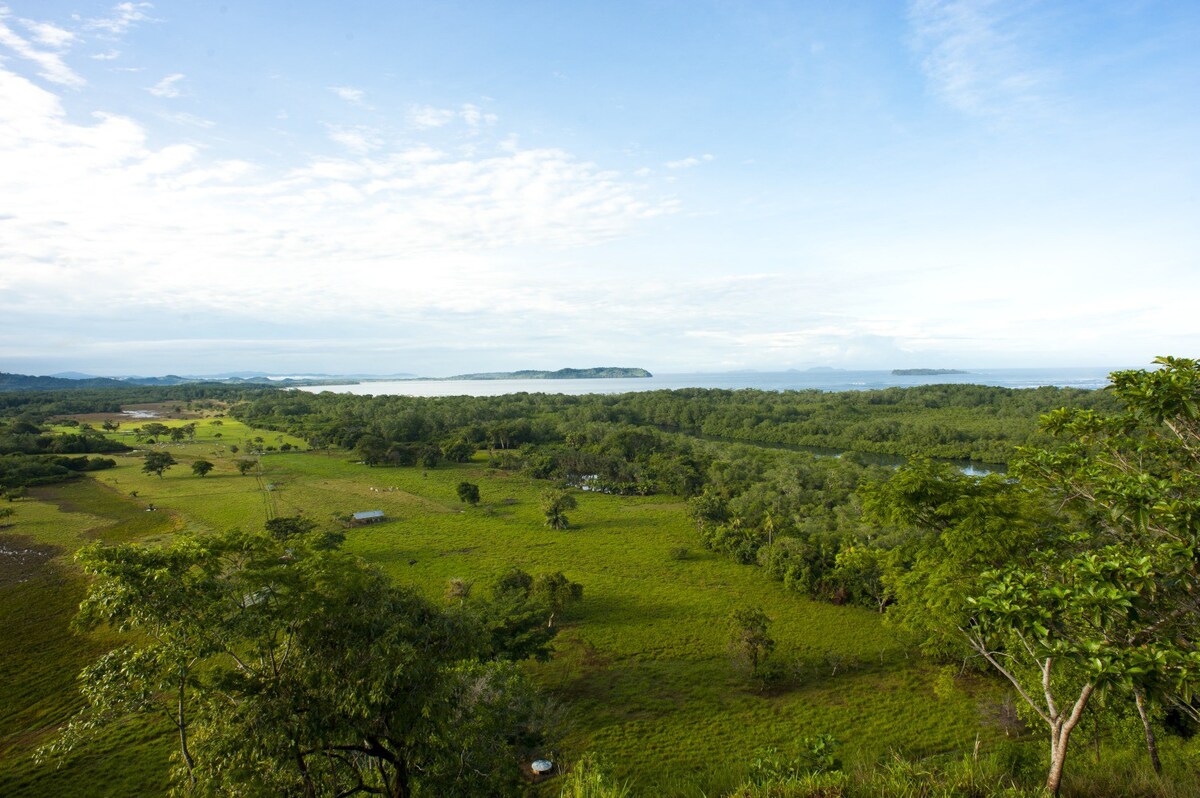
x=925, y=372
x=600, y=372
x=25, y=382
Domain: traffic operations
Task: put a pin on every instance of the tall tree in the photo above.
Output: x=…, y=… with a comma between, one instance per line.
x=290, y=668
x=157, y=463
x=1083, y=575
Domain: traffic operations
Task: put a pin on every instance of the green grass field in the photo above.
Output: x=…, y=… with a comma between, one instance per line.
x=640, y=671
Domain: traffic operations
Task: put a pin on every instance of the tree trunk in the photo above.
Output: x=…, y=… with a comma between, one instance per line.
x=1060, y=733
x=1058, y=760
x=1139, y=698
x=181, y=722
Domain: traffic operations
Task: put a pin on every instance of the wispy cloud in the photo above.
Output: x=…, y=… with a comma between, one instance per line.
x=349, y=94
x=977, y=54
x=688, y=163
x=108, y=55
x=475, y=117
x=358, y=139
x=51, y=65
x=122, y=18
x=49, y=34
x=168, y=86
x=424, y=117
x=184, y=118
x=436, y=227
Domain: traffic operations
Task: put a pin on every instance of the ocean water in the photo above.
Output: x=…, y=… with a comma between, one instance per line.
x=820, y=380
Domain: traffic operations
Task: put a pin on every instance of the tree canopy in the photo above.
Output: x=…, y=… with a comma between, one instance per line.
x=290, y=668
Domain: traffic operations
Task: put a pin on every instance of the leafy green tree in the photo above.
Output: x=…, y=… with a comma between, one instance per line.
x=556, y=591
x=245, y=466
x=468, y=492
x=750, y=642
x=428, y=457
x=7, y=512
x=1101, y=590
x=157, y=463
x=458, y=451
x=201, y=467
x=290, y=668
x=372, y=449
x=555, y=505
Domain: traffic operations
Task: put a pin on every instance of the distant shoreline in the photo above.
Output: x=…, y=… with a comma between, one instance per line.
x=926, y=372
x=599, y=373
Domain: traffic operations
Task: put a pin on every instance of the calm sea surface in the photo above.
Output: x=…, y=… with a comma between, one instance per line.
x=836, y=380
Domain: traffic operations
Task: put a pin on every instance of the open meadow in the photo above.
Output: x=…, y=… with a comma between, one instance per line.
x=640, y=673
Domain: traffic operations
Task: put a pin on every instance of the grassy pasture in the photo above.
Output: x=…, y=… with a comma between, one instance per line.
x=640, y=670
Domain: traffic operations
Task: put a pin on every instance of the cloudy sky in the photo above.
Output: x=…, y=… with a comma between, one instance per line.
x=381, y=187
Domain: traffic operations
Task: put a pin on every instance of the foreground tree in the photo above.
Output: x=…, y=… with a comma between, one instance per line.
x=290, y=668
x=157, y=463
x=1083, y=576
x=201, y=467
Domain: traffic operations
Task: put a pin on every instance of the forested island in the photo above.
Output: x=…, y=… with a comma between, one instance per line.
x=659, y=593
x=600, y=372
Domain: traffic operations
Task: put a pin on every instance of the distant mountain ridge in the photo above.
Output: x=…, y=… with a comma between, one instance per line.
x=25, y=382
x=598, y=373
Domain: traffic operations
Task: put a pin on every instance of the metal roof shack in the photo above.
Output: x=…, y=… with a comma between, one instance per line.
x=368, y=517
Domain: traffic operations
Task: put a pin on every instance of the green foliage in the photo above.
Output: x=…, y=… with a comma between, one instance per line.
x=588, y=778
x=468, y=492
x=555, y=504
x=298, y=670
x=750, y=642
x=157, y=462
x=201, y=467
x=244, y=466
x=817, y=754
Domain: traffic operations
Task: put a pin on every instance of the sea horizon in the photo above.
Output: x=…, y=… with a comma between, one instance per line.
x=827, y=380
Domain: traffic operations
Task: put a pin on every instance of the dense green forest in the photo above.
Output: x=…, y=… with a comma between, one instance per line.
x=1069, y=582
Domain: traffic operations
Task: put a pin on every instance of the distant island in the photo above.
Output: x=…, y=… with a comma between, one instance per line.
x=925, y=372
x=598, y=373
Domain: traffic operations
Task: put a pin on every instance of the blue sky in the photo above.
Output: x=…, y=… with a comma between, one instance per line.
x=444, y=187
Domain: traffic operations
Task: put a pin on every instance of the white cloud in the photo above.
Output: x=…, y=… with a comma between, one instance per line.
x=108, y=55
x=167, y=87
x=49, y=34
x=423, y=117
x=688, y=163
x=51, y=65
x=349, y=94
x=184, y=118
x=123, y=17
x=475, y=117
x=977, y=56
x=381, y=228
x=359, y=139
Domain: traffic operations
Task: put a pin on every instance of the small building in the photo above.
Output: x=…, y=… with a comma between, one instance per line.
x=368, y=517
